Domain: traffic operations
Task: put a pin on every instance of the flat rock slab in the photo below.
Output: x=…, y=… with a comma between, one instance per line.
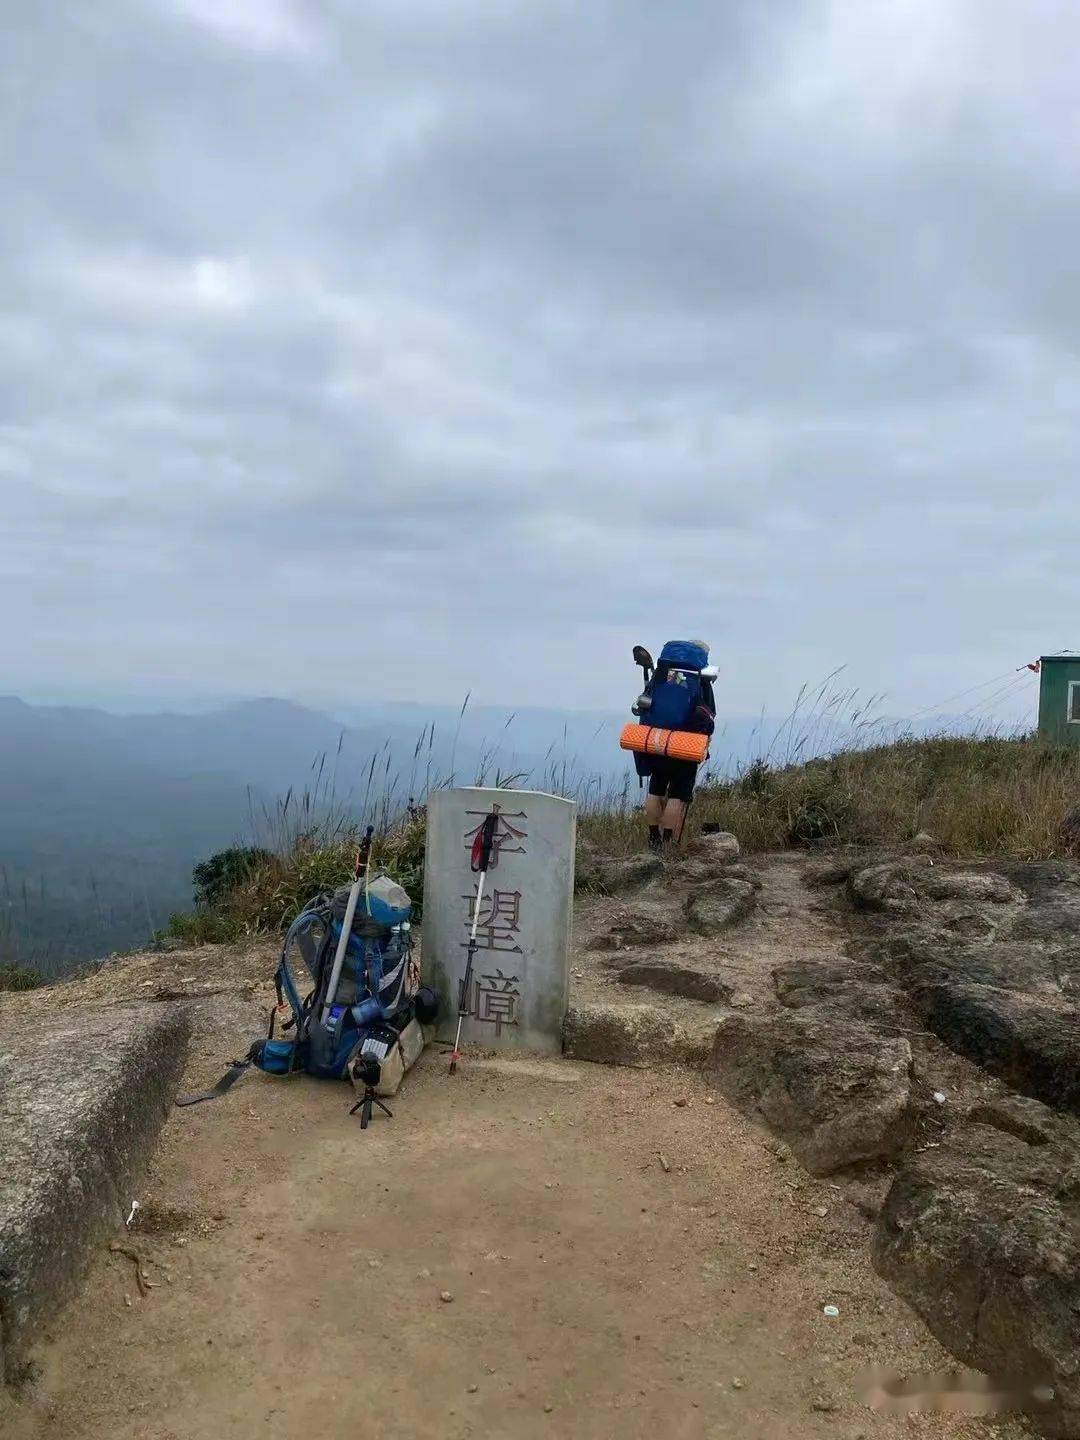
x=839, y=1092
x=636, y=1035
x=693, y=871
x=1032, y=1044
x=902, y=885
x=1055, y=918
x=1008, y=1006
x=670, y=977
x=83, y=1094
x=799, y=983
x=853, y=991
x=1023, y=1118
x=649, y=922
x=982, y=1238
x=712, y=910
x=609, y=874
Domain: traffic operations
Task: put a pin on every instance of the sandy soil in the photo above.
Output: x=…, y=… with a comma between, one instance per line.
x=297, y=1265
x=619, y=1264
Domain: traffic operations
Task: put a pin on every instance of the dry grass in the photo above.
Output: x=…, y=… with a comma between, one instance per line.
x=274, y=891
x=979, y=796
x=982, y=795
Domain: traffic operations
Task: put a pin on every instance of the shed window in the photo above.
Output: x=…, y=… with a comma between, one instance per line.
x=1074, y=702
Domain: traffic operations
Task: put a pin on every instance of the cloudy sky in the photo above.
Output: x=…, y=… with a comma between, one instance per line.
x=400, y=347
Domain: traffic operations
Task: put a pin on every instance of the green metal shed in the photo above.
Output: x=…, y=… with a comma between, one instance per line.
x=1059, y=699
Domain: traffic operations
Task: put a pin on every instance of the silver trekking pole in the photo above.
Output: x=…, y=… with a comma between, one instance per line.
x=363, y=866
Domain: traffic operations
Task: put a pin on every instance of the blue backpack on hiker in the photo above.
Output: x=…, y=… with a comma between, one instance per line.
x=676, y=686
x=675, y=689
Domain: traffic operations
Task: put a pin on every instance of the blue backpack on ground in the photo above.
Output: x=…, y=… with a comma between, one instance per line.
x=373, y=985
x=376, y=1000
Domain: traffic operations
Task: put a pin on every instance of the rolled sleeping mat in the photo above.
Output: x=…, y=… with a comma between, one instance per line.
x=673, y=744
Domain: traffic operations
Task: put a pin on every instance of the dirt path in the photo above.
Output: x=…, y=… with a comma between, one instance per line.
x=297, y=1265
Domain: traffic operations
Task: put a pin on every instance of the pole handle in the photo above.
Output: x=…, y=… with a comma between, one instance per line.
x=484, y=844
x=363, y=853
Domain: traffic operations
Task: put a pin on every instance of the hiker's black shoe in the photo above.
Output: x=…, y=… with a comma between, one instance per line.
x=655, y=839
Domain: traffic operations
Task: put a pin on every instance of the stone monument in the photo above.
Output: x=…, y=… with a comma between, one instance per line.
x=520, y=984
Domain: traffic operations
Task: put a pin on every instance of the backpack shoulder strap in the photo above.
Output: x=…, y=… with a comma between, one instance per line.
x=227, y=1081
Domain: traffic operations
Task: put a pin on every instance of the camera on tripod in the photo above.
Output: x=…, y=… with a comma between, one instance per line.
x=366, y=1072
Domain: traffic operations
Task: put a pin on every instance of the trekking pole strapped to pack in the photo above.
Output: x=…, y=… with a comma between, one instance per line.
x=363, y=865
x=480, y=861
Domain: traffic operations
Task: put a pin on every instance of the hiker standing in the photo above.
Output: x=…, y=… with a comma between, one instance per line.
x=678, y=696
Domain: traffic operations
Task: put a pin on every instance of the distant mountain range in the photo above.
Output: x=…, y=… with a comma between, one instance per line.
x=102, y=816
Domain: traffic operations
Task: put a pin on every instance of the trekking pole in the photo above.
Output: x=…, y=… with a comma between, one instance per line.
x=481, y=860
x=645, y=660
x=363, y=864
x=641, y=705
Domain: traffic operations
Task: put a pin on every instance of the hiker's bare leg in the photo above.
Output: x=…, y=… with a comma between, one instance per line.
x=654, y=808
x=674, y=818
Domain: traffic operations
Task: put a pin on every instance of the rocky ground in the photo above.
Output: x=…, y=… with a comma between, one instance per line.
x=908, y=1027
x=842, y=1061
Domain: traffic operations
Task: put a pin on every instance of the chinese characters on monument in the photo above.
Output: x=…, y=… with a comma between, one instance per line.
x=518, y=991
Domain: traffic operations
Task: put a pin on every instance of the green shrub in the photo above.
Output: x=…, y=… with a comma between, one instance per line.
x=213, y=879
x=18, y=977
x=251, y=891
x=824, y=810
x=757, y=778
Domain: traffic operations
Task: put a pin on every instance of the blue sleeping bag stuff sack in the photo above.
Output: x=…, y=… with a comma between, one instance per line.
x=686, y=653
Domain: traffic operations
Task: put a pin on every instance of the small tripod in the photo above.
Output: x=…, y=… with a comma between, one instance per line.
x=368, y=1071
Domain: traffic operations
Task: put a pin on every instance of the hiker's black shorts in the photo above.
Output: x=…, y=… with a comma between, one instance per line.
x=673, y=779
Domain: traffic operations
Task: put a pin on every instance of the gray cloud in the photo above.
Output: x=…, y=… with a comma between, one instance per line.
x=485, y=344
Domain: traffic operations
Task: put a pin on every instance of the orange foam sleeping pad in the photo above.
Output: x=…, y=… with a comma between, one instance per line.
x=675, y=744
